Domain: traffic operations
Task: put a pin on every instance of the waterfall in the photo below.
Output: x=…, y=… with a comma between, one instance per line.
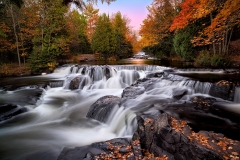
x=237, y=95
x=58, y=118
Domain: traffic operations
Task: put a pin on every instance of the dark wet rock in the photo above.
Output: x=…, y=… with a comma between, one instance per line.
x=22, y=97
x=79, y=153
x=132, y=92
x=204, y=113
x=118, y=148
x=107, y=71
x=179, y=93
x=161, y=138
x=77, y=82
x=8, y=111
x=154, y=74
x=147, y=83
x=223, y=89
x=103, y=107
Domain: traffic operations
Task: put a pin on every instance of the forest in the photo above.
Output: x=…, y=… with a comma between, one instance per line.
x=193, y=30
x=41, y=34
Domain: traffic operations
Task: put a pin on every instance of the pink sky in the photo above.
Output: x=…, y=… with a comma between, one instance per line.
x=135, y=10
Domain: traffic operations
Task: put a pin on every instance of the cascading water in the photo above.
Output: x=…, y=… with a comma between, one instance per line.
x=237, y=95
x=58, y=118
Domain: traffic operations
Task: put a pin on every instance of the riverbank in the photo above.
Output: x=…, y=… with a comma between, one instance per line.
x=13, y=69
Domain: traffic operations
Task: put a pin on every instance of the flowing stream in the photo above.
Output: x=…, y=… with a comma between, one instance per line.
x=57, y=119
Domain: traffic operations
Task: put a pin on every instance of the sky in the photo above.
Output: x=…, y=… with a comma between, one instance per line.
x=135, y=10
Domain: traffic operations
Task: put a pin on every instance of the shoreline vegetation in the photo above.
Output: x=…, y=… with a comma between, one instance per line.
x=13, y=70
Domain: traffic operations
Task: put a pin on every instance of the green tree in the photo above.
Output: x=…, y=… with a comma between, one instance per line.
x=182, y=41
x=78, y=41
x=123, y=47
x=50, y=41
x=104, y=41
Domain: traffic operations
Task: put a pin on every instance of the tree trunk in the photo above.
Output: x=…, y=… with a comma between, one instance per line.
x=229, y=39
x=15, y=33
x=214, y=45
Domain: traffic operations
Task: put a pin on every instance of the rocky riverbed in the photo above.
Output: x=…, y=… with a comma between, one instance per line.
x=184, y=127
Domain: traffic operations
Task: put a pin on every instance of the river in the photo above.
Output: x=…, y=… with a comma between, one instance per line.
x=54, y=114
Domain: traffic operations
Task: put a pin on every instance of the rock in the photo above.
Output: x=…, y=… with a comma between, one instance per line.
x=179, y=93
x=8, y=111
x=103, y=107
x=77, y=82
x=154, y=74
x=118, y=148
x=205, y=113
x=132, y=92
x=223, y=89
x=161, y=138
x=79, y=153
x=107, y=71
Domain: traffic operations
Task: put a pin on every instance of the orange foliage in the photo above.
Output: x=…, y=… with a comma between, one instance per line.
x=6, y=43
x=228, y=16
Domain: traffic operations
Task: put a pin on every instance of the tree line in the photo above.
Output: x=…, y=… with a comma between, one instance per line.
x=193, y=30
x=43, y=33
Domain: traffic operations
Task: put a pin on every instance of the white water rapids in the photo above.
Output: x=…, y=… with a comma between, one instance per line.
x=58, y=119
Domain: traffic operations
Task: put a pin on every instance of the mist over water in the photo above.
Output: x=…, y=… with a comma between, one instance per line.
x=58, y=118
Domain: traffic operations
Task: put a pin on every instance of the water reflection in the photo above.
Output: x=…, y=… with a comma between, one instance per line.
x=134, y=61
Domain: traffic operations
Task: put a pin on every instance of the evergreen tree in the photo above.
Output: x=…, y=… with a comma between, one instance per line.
x=50, y=39
x=182, y=41
x=104, y=41
x=78, y=41
x=123, y=48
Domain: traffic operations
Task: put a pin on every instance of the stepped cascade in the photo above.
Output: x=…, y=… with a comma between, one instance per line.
x=55, y=113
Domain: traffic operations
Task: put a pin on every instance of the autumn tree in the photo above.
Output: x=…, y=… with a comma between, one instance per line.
x=9, y=15
x=28, y=20
x=223, y=17
x=91, y=16
x=50, y=39
x=155, y=28
x=104, y=41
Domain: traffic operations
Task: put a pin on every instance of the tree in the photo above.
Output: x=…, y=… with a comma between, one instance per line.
x=223, y=17
x=123, y=47
x=81, y=3
x=104, y=41
x=11, y=9
x=77, y=26
x=182, y=41
x=155, y=29
x=50, y=40
x=92, y=16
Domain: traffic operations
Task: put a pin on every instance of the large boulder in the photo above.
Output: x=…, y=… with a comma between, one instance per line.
x=103, y=107
x=223, y=89
x=206, y=113
x=161, y=138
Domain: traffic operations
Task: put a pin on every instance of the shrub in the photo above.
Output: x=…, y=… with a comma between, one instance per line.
x=206, y=59
x=203, y=59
